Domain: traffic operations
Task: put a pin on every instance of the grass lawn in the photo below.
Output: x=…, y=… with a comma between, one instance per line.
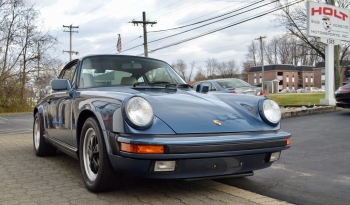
x=297, y=98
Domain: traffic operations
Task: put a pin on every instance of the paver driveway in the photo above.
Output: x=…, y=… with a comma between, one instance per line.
x=28, y=179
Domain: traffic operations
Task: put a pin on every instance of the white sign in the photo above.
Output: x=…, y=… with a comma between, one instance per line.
x=327, y=21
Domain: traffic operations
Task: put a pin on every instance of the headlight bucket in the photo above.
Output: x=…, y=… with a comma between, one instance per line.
x=138, y=113
x=270, y=111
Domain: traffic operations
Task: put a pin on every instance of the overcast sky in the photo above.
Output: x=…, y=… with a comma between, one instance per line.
x=100, y=22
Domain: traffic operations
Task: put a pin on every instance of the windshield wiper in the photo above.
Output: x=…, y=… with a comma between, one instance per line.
x=184, y=85
x=138, y=83
x=167, y=84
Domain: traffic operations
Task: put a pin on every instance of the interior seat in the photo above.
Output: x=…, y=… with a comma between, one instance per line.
x=128, y=81
x=87, y=80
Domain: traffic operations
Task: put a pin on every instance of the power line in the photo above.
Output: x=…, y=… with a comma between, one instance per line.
x=157, y=33
x=97, y=7
x=227, y=26
x=188, y=30
x=129, y=32
x=254, y=3
x=165, y=7
x=208, y=14
x=210, y=23
x=110, y=49
x=184, y=8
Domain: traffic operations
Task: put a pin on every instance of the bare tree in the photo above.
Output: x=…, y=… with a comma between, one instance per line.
x=192, y=66
x=253, y=53
x=180, y=67
x=199, y=75
x=246, y=65
x=227, y=69
x=19, y=34
x=211, y=67
x=293, y=19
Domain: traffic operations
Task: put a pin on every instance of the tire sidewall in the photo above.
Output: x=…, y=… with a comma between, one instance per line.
x=37, y=117
x=91, y=123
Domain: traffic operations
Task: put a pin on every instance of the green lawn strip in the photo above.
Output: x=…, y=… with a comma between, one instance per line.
x=297, y=98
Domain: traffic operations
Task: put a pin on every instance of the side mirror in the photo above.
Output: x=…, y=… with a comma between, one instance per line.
x=60, y=84
x=202, y=88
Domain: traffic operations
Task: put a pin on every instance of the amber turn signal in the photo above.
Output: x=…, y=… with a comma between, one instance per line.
x=288, y=141
x=142, y=149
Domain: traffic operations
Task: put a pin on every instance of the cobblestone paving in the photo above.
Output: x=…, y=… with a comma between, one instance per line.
x=27, y=179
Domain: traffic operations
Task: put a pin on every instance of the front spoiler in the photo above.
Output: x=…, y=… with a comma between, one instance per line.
x=227, y=159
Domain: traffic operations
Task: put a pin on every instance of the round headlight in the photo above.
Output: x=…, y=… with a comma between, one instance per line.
x=271, y=111
x=139, y=112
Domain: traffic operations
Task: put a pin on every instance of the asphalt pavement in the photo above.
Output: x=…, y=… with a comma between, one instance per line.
x=315, y=170
x=11, y=124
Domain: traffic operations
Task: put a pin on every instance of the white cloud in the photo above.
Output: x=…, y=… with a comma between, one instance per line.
x=100, y=22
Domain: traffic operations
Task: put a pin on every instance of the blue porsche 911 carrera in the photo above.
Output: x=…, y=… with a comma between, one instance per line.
x=125, y=114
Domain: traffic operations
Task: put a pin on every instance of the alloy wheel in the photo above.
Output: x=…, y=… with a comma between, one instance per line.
x=91, y=154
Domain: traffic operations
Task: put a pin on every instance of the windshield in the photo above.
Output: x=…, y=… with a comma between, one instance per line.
x=232, y=83
x=99, y=71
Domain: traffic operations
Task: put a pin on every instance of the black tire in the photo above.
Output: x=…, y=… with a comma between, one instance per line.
x=98, y=173
x=41, y=147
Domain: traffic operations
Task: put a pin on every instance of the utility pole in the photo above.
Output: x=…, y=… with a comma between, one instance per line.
x=70, y=47
x=262, y=62
x=144, y=23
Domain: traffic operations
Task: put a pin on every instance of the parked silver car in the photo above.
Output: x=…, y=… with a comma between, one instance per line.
x=230, y=85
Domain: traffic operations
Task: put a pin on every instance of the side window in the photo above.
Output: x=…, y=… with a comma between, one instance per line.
x=210, y=85
x=69, y=74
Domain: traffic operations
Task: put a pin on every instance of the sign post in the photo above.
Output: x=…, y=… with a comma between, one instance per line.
x=331, y=24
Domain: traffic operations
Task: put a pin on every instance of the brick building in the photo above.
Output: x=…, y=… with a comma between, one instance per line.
x=295, y=77
x=319, y=70
x=288, y=76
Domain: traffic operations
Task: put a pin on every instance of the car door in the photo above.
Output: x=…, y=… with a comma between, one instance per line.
x=60, y=108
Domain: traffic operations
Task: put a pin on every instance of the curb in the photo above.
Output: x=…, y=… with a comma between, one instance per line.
x=310, y=111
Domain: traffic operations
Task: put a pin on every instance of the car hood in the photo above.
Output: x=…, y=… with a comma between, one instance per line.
x=191, y=112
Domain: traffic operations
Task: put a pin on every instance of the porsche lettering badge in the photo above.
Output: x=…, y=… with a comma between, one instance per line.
x=217, y=122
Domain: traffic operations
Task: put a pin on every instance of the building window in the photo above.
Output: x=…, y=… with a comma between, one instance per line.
x=312, y=75
x=293, y=74
x=305, y=75
x=254, y=75
x=323, y=72
x=260, y=78
x=287, y=74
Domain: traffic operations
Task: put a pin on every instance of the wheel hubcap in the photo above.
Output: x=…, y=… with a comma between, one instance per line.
x=91, y=154
x=36, y=134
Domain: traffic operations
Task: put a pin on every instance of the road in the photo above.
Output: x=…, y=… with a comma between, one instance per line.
x=16, y=124
x=316, y=170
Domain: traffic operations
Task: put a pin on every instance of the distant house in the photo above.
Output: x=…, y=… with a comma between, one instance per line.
x=295, y=77
x=287, y=76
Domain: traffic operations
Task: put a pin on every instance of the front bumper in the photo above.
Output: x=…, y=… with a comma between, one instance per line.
x=342, y=100
x=342, y=104
x=199, y=156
